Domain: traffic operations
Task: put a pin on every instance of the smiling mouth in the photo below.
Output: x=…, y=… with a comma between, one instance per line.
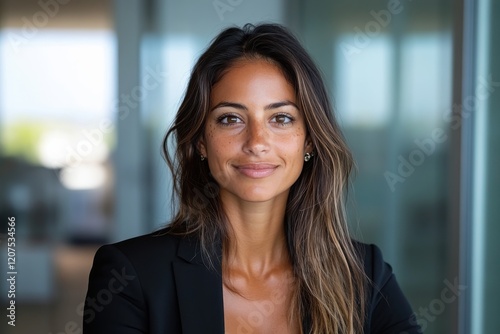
x=256, y=171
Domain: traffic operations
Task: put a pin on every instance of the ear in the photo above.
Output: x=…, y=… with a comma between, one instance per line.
x=308, y=145
x=201, y=146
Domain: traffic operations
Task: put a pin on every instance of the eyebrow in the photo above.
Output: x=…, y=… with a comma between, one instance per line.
x=239, y=106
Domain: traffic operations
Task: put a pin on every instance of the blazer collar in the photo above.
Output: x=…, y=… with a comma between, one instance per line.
x=199, y=290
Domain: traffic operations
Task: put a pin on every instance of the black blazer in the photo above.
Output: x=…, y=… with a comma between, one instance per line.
x=158, y=284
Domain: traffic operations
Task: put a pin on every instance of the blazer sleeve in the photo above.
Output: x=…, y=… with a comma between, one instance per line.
x=389, y=311
x=114, y=301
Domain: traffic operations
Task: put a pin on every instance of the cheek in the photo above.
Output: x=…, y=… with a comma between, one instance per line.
x=220, y=147
x=219, y=144
x=292, y=148
x=297, y=141
x=211, y=140
x=219, y=151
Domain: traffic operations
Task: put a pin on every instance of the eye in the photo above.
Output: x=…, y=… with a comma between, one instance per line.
x=228, y=119
x=283, y=119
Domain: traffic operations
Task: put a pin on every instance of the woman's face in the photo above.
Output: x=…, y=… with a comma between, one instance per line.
x=255, y=137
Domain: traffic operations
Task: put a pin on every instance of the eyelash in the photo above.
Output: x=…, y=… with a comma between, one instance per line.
x=290, y=122
x=224, y=116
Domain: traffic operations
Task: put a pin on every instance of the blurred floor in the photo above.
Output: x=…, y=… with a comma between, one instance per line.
x=63, y=315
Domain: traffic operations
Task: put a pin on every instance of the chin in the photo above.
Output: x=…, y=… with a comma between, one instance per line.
x=259, y=195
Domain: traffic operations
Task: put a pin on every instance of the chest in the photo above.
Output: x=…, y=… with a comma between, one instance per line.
x=259, y=308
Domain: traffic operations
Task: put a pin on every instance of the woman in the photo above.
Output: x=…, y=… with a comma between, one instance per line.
x=260, y=242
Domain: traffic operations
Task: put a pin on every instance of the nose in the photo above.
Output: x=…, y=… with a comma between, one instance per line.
x=257, y=138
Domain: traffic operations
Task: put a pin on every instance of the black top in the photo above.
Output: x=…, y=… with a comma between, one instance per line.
x=158, y=284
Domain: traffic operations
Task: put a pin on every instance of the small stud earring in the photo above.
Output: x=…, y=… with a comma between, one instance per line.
x=202, y=157
x=307, y=157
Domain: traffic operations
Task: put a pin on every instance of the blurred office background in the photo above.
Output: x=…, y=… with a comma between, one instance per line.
x=88, y=89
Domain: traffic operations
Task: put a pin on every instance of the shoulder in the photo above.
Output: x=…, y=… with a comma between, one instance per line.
x=143, y=247
x=387, y=309
x=156, y=243
x=144, y=254
x=375, y=267
x=128, y=277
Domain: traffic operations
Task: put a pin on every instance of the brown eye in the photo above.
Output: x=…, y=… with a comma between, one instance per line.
x=229, y=120
x=282, y=119
x=232, y=119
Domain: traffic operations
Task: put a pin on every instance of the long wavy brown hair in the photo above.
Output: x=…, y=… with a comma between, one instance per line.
x=328, y=272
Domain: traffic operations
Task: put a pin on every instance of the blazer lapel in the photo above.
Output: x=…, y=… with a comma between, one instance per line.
x=199, y=291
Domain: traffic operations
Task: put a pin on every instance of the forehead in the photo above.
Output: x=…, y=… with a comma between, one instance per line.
x=252, y=79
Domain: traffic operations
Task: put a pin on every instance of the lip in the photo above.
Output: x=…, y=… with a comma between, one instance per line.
x=256, y=170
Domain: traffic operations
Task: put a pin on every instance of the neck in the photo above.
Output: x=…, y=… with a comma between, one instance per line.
x=258, y=245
